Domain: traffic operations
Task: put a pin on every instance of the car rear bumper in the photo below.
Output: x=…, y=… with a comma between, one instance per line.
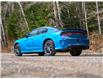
x=74, y=47
x=77, y=47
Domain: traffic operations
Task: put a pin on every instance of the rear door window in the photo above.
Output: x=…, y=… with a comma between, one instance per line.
x=34, y=32
x=42, y=30
x=38, y=31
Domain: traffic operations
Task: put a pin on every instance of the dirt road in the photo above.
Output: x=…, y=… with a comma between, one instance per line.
x=61, y=65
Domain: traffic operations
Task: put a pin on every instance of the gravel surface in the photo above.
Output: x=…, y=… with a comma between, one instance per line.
x=61, y=65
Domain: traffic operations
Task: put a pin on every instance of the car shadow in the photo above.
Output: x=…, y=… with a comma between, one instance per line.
x=57, y=55
x=93, y=55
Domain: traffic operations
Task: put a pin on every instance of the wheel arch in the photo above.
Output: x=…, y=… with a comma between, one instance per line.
x=46, y=40
x=16, y=43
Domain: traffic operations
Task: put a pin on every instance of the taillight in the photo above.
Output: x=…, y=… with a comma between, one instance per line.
x=72, y=33
x=66, y=34
x=77, y=33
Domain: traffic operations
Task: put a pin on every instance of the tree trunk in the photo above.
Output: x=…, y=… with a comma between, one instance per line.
x=24, y=16
x=3, y=34
x=99, y=27
x=85, y=17
x=55, y=14
x=59, y=16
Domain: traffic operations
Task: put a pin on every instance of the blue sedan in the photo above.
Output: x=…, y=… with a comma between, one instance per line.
x=48, y=40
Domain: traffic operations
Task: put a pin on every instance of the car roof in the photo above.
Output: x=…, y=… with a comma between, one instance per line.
x=48, y=27
x=43, y=27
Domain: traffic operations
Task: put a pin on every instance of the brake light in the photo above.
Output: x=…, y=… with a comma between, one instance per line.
x=70, y=33
x=77, y=33
x=66, y=34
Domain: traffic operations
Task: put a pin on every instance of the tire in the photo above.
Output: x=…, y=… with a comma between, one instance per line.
x=49, y=48
x=17, y=50
x=76, y=53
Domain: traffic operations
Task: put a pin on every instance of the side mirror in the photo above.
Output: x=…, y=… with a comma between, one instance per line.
x=27, y=35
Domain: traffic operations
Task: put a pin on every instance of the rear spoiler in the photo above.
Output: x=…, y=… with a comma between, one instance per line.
x=75, y=30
